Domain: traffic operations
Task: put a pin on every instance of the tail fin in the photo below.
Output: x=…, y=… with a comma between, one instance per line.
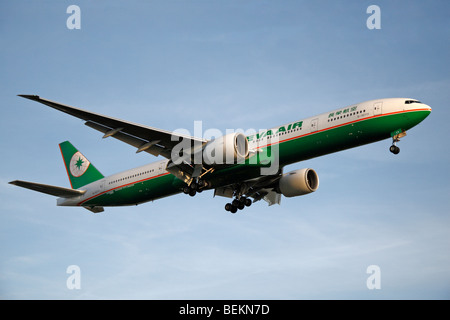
x=80, y=171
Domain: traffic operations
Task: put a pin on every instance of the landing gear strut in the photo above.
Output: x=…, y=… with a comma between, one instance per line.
x=236, y=204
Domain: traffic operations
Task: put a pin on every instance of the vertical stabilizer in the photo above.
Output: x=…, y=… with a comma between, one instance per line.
x=80, y=171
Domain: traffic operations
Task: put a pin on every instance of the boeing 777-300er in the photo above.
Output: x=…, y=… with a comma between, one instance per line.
x=246, y=167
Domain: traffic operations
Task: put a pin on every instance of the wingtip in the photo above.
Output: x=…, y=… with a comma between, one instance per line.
x=29, y=96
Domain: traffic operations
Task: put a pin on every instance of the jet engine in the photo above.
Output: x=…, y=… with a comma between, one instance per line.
x=298, y=182
x=228, y=149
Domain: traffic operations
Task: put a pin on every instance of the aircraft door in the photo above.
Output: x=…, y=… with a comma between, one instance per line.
x=161, y=167
x=377, y=108
x=101, y=187
x=314, y=125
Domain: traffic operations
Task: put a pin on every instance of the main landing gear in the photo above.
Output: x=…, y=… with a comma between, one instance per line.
x=396, y=135
x=240, y=204
x=240, y=201
x=194, y=187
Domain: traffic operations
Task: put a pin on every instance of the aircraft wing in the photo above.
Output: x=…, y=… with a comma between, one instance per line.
x=144, y=138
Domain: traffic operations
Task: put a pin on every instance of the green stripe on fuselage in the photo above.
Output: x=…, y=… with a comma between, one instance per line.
x=305, y=146
x=139, y=192
x=347, y=135
x=324, y=141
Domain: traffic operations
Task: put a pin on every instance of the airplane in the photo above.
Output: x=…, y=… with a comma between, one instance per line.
x=243, y=167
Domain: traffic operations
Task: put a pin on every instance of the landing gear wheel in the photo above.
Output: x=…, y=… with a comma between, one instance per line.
x=193, y=188
x=241, y=203
x=394, y=149
x=238, y=203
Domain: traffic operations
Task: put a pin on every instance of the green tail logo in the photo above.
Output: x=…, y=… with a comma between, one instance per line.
x=80, y=171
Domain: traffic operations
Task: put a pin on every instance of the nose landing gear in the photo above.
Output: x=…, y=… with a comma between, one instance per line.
x=396, y=135
x=394, y=149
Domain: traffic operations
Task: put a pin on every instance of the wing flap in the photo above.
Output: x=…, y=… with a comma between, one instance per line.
x=272, y=197
x=136, y=142
x=51, y=190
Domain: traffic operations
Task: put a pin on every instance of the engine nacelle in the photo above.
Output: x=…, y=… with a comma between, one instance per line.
x=228, y=149
x=298, y=182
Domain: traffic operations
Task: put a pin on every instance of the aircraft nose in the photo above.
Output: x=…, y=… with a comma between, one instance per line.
x=420, y=106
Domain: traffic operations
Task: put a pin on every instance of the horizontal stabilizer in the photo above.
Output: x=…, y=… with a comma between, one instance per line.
x=51, y=190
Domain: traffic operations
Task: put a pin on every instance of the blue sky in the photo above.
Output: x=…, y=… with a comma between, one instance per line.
x=230, y=64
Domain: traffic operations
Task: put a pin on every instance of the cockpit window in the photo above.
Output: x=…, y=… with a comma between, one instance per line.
x=412, y=101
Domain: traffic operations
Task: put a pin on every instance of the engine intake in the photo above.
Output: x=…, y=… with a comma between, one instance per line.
x=228, y=149
x=298, y=182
